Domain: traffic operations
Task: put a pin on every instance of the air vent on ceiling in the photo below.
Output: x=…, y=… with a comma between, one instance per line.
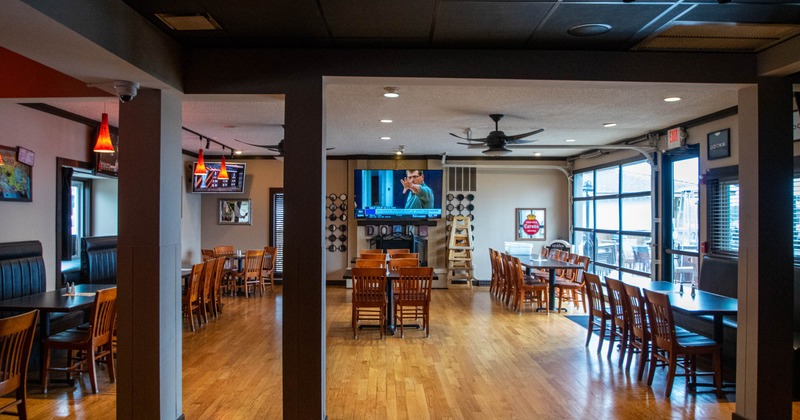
x=715, y=36
x=189, y=22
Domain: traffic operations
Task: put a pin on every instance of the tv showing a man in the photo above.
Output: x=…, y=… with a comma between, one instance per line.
x=420, y=196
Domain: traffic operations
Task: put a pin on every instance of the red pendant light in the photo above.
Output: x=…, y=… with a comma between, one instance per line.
x=223, y=171
x=200, y=168
x=103, y=143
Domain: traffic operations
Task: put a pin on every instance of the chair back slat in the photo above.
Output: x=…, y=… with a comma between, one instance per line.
x=638, y=319
x=16, y=340
x=617, y=298
x=104, y=314
x=595, y=291
x=662, y=324
x=369, y=285
x=365, y=263
x=414, y=285
x=396, y=263
x=414, y=255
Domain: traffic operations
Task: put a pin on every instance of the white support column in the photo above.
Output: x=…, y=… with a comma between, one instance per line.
x=149, y=320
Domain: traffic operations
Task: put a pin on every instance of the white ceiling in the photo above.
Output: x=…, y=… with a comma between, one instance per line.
x=428, y=109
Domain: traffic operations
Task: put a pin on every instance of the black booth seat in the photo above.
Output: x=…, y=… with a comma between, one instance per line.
x=99, y=260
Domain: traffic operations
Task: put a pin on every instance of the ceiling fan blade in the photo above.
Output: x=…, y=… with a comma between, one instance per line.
x=330, y=148
x=523, y=135
x=513, y=142
x=473, y=145
x=266, y=146
x=467, y=138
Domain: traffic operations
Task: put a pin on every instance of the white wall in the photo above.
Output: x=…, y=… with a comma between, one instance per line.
x=261, y=175
x=499, y=193
x=49, y=137
x=104, y=207
x=191, y=219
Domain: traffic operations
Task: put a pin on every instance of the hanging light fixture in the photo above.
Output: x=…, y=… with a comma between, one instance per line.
x=223, y=171
x=200, y=168
x=103, y=143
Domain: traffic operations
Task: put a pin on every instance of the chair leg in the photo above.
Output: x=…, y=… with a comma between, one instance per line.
x=623, y=346
x=673, y=363
x=590, y=328
x=652, y=371
x=45, y=374
x=353, y=318
x=92, y=370
x=110, y=364
x=717, y=371
x=612, y=336
x=642, y=359
x=22, y=405
x=602, y=335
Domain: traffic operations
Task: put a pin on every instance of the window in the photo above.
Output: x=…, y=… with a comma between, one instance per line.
x=723, y=216
x=277, y=227
x=796, y=221
x=78, y=216
x=612, y=224
x=683, y=219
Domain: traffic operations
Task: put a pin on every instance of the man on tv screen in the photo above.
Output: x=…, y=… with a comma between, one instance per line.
x=421, y=196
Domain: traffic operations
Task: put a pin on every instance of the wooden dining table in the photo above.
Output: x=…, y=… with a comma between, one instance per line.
x=54, y=301
x=536, y=261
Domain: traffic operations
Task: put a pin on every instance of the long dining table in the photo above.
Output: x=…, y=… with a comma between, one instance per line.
x=698, y=303
x=54, y=301
x=535, y=261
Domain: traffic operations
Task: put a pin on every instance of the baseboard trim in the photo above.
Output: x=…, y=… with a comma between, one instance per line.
x=335, y=283
x=735, y=416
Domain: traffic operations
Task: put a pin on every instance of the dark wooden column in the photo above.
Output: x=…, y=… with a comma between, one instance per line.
x=764, y=344
x=149, y=384
x=303, y=253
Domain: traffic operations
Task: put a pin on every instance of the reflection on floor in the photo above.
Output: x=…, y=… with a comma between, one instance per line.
x=482, y=361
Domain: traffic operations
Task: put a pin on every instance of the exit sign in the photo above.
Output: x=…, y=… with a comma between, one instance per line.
x=675, y=138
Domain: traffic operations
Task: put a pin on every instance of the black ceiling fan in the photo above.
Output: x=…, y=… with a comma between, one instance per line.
x=273, y=147
x=497, y=140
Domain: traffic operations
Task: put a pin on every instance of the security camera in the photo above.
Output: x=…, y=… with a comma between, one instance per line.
x=126, y=90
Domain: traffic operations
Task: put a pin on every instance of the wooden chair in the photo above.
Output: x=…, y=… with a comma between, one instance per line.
x=270, y=254
x=396, y=263
x=369, y=251
x=369, y=297
x=639, y=335
x=251, y=272
x=92, y=345
x=678, y=352
x=205, y=292
x=16, y=335
x=527, y=289
x=412, y=296
x=509, y=283
x=373, y=256
x=191, y=297
x=404, y=255
x=391, y=252
x=217, y=287
x=364, y=263
x=570, y=287
x=599, y=315
x=500, y=290
x=620, y=317
x=495, y=273
x=207, y=254
x=225, y=251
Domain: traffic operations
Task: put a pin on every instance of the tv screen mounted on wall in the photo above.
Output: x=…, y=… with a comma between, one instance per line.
x=380, y=195
x=209, y=183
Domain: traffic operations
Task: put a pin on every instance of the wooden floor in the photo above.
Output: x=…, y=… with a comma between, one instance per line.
x=482, y=361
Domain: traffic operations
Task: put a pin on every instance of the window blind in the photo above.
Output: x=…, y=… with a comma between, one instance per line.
x=723, y=222
x=796, y=221
x=277, y=231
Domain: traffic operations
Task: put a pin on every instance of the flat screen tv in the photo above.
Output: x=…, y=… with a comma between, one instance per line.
x=209, y=183
x=380, y=194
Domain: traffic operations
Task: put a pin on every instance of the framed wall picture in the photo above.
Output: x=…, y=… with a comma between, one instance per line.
x=530, y=224
x=235, y=211
x=108, y=163
x=15, y=176
x=719, y=144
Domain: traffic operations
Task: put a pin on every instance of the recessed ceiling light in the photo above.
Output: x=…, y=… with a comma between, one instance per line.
x=570, y=140
x=609, y=125
x=386, y=121
x=230, y=126
x=386, y=138
x=589, y=29
x=238, y=152
x=390, y=92
x=537, y=154
x=672, y=99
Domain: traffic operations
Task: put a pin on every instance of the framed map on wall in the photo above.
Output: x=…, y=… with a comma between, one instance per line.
x=15, y=176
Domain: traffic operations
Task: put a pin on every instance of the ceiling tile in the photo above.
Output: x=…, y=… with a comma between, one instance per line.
x=480, y=23
x=379, y=18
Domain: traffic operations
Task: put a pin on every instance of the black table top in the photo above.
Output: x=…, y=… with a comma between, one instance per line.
x=537, y=261
x=54, y=300
x=702, y=303
x=348, y=274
